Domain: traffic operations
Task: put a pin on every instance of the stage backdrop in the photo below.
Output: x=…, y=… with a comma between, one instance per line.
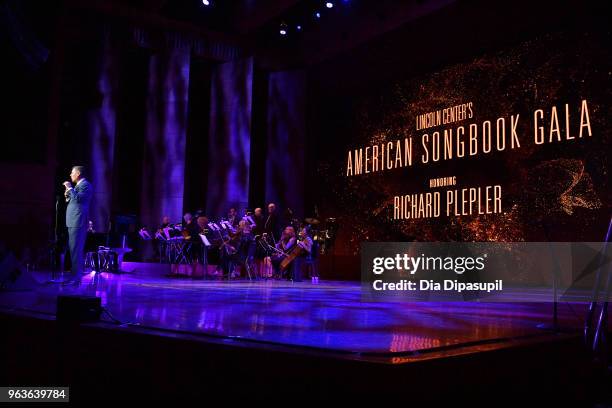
x=512, y=145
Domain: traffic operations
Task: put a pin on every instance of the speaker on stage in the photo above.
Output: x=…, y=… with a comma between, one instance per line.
x=13, y=275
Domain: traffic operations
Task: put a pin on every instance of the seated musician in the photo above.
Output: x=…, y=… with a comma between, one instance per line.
x=190, y=228
x=200, y=250
x=165, y=222
x=245, y=246
x=231, y=247
x=161, y=235
x=189, y=224
x=91, y=246
x=284, y=245
x=261, y=270
x=202, y=223
x=287, y=239
x=232, y=217
x=304, y=242
x=166, y=230
x=296, y=255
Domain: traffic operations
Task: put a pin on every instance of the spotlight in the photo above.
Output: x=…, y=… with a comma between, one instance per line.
x=329, y=4
x=283, y=29
x=206, y=2
x=298, y=27
x=317, y=14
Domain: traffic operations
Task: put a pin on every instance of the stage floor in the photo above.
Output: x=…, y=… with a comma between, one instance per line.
x=328, y=316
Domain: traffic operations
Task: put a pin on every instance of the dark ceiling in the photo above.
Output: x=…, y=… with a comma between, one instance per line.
x=257, y=22
x=254, y=24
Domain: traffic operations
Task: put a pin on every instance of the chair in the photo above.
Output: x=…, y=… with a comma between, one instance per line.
x=244, y=257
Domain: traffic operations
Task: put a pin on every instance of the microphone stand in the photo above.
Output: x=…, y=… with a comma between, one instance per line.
x=554, y=326
x=108, y=232
x=55, y=250
x=595, y=337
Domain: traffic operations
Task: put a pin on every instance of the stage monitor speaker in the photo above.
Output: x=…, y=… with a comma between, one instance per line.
x=78, y=309
x=13, y=275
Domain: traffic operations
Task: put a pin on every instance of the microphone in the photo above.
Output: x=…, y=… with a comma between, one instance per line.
x=66, y=190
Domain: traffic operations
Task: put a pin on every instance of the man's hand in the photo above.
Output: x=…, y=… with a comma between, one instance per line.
x=67, y=184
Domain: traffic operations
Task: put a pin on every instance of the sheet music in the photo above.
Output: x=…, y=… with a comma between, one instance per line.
x=204, y=240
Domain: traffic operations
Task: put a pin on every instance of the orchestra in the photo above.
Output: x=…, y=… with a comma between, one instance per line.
x=254, y=245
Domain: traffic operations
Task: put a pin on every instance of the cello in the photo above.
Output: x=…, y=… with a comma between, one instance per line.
x=295, y=252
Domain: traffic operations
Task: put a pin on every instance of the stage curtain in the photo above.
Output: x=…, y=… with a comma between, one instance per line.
x=285, y=145
x=101, y=123
x=229, y=136
x=165, y=137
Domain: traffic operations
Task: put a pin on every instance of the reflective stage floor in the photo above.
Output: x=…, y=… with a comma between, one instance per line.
x=328, y=316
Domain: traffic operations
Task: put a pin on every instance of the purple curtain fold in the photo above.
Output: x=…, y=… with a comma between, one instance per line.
x=165, y=137
x=230, y=136
x=286, y=140
x=101, y=122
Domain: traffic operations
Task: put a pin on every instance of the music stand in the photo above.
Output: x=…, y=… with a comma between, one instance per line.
x=595, y=337
x=554, y=326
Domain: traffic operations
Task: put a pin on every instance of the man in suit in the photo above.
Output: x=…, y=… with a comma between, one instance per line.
x=273, y=226
x=78, y=198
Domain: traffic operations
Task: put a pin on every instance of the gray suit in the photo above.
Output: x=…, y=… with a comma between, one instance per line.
x=78, y=198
